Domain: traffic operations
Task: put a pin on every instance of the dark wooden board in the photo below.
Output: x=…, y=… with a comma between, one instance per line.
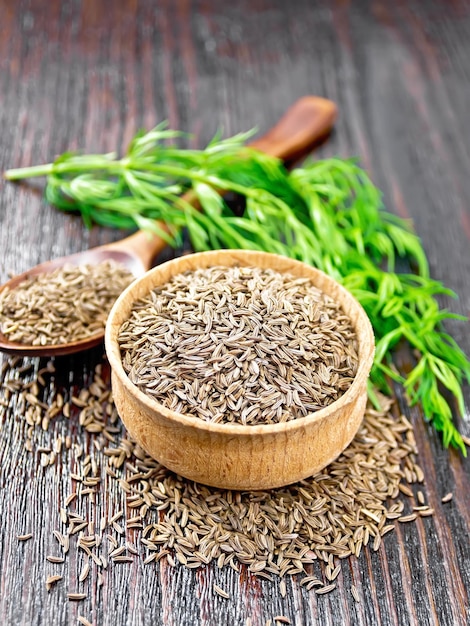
x=87, y=75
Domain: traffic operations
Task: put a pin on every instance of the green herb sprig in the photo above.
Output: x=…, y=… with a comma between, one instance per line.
x=327, y=213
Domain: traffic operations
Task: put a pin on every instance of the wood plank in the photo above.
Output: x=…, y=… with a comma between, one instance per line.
x=87, y=76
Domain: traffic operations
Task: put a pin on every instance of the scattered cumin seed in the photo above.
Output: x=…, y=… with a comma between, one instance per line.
x=123, y=559
x=244, y=526
x=221, y=592
x=117, y=552
x=282, y=619
x=355, y=593
x=84, y=573
x=116, y=516
x=24, y=537
x=84, y=621
x=335, y=573
x=118, y=528
x=326, y=589
x=51, y=581
x=377, y=542
x=76, y=596
x=405, y=489
x=58, y=535
x=371, y=515
x=131, y=548
x=44, y=460
x=150, y=558
x=447, y=498
x=419, y=473
x=55, y=559
x=387, y=529
x=311, y=579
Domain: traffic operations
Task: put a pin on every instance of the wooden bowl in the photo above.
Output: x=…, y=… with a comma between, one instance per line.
x=234, y=456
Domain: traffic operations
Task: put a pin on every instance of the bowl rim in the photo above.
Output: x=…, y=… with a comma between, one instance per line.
x=114, y=356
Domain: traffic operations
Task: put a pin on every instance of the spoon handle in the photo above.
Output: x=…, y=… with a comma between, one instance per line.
x=308, y=121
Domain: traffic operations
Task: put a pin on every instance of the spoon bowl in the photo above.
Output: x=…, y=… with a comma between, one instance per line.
x=306, y=123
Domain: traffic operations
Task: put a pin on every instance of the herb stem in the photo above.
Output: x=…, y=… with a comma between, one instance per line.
x=29, y=172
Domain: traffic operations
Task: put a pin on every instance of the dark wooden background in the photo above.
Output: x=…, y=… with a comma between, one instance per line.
x=86, y=75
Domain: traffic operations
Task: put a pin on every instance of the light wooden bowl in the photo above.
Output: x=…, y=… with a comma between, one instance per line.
x=234, y=456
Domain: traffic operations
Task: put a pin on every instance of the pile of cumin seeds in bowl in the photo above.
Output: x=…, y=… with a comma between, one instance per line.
x=68, y=304
x=118, y=506
x=246, y=345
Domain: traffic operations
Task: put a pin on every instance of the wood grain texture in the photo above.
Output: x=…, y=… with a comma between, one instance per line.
x=86, y=75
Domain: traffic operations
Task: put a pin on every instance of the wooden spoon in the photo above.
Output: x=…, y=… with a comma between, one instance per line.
x=305, y=123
